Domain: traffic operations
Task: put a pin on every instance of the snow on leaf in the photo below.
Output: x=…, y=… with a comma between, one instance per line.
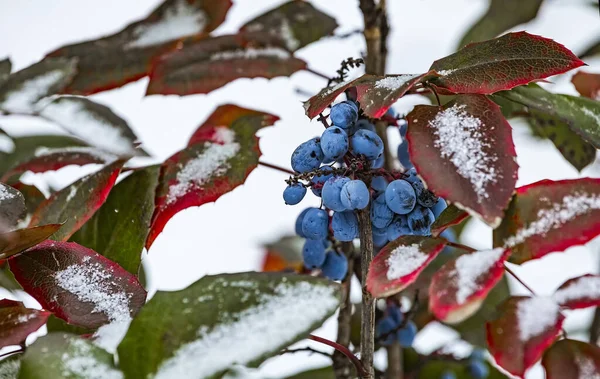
x=400, y=262
x=80, y=362
x=12, y=207
x=580, y=292
x=251, y=53
x=535, y=315
x=7, y=145
x=392, y=83
x=571, y=359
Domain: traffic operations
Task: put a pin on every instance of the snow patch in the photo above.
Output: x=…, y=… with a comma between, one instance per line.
x=109, y=336
x=80, y=361
x=10, y=369
x=328, y=91
x=404, y=260
x=180, y=20
x=586, y=367
x=460, y=140
x=97, y=131
x=212, y=161
x=277, y=319
x=591, y=114
x=470, y=267
x=31, y=90
x=5, y=194
x=97, y=154
x=393, y=83
x=251, y=53
x=23, y=318
x=6, y=144
x=535, y=316
x=287, y=33
x=582, y=288
x=548, y=219
x=72, y=192
x=446, y=72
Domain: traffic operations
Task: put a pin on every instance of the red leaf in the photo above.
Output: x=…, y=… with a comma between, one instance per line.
x=115, y=60
x=77, y=284
x=549, y=216
x=587, y=84
x=75, y=204
x=570, y=359
x=55, y=159
x=580, y=292
x=503, y=63
x=526, y=326
x=221, y=154
x=400, y=262
x=18, y=322
x=465, y=153
x=15, y=241
x=208, y=64
x=459, y=287
x=449, y=217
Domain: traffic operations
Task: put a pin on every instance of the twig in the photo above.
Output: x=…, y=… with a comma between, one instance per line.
x=341, y=365
x=512, y=273
x=344, y=350
x=320, y=75
x=367, y=330
x=460, y=246
x=278, y=168
x=303, y=349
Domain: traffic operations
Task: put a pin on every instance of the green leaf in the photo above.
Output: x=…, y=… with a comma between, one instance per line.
x=317, y=373
x=118, y=230
x=62, y=355
x=9, y=368
x=224, y=320
x=574, y=148
x=435, y=369
x=500, y=16
x=55, y=324
x=298, y=23
x=12, y=207
x=581, y=114
x=5, y=67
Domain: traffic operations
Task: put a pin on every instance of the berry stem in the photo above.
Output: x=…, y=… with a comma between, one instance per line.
x=344, y=350
x=278, y=168
x=460, y=246
x=317, y=73
x=514, y=275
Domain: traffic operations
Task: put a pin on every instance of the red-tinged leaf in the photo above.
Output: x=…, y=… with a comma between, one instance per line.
x=208, y=64
x=550, y=216
x=17, y=322
x=23, y=89
x=220, y=159
x=580, y=292
x=297, y=22
x=587, y=84
x=75, y=204
x=283, y=255
x=459, y=288
x=118, y=59
x=503, y=63
x=55, y=159
x=77, y=284
x=570, y=359
x=400, y=262
x=316, y=104
x=33, y=197
x=450, y=216
x=12, y=207
x=525, y=327
x=465, y=153
x=16, y=241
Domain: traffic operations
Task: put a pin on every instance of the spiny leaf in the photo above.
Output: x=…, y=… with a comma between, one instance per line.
x=400, y=262
x=459, y=288
x=465, y=153
x=222, y=153
x=570, y=359
x=525, y=327
x=18, y=322
x=580, y=292
x=16, y=241
x=118, y=59
x=500, y=16
x=581, y=114
x=549, y=216
x=217, y=312
x=587, y=84
x=75, y=204
x=450, y=216
x=118, y=230
x=12, y=207
x=208, y=64
x=298, y=23
x=502, y=63
x=23, y=89
x=77, y=284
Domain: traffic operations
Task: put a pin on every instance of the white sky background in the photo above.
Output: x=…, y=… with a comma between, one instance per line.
x=226, y=236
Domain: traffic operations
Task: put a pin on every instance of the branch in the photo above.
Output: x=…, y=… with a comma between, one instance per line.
x=278, y=168
x=341, y=366
x=303, y=349
x=367, y=330
x=344, y=350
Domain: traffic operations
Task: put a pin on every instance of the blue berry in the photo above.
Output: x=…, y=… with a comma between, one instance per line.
x=332, y=190
x=403, y=127
x=439, y=207
x=395, y=314
x=365, y=124
x=344, y=114
x=335, y=266
x=381, y=214
x=477, y=354
x=313, y=253
x=379, y=162
x=355, y=195
x=344, y=225
x=478, y=369
x=424, y=197
x=308, y=156
x=406, y=336
x=379, y=237
x=318, y=180
x=411, y=176
x=334, y=143
x=367, y=143
x=294, y=193
x=400, y=196
x=383, y=328
x=403, y=156
x=299, y=220
x=448, y=375
x=398, y=227
x=420, y=220
x=379, y=183
x=315, y=224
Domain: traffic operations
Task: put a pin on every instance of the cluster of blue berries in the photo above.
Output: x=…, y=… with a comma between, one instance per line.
x=476, y=366
x=392, y=327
